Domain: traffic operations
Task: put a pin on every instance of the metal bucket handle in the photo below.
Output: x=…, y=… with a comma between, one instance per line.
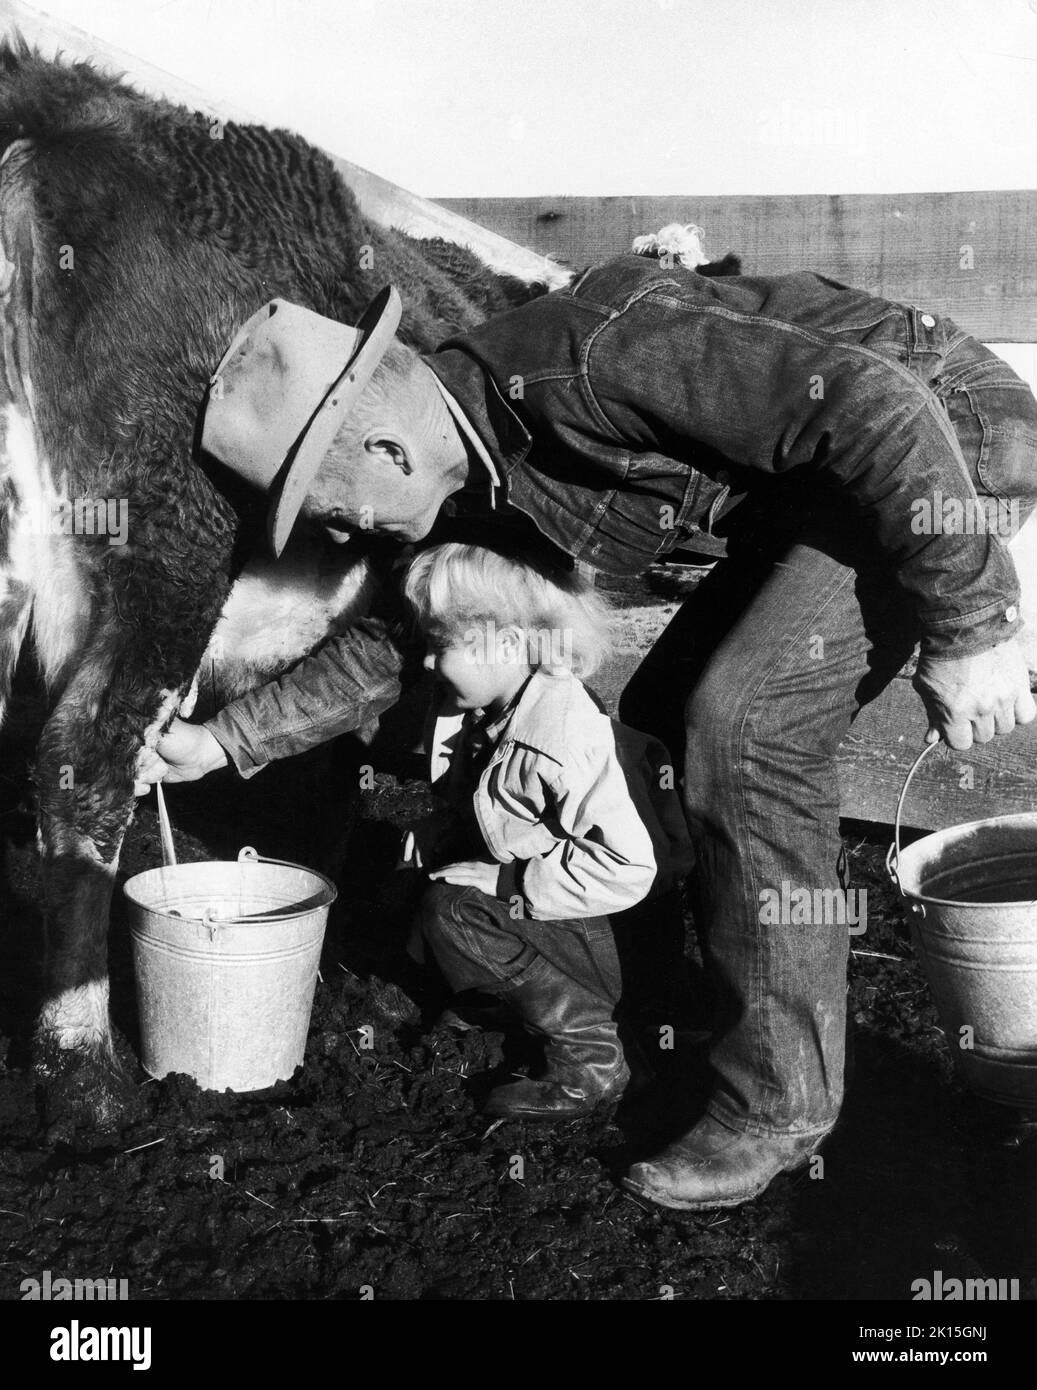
x=893, y=853
x=248, y=854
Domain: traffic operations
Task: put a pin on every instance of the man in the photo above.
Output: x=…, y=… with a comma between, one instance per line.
x=620, y=416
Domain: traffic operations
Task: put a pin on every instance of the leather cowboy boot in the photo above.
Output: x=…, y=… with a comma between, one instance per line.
x=713, y=1166
x=584, y=1062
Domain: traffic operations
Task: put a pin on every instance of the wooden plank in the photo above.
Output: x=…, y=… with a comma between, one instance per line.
x=383, y=202
x=995, y=779
x=911, y=246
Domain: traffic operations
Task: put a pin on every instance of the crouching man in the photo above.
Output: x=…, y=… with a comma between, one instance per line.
x=617, y=417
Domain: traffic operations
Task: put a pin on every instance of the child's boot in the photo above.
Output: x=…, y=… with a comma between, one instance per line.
x=584, y=1062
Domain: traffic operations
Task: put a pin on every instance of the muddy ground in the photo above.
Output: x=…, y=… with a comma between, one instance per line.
x=373, y=1171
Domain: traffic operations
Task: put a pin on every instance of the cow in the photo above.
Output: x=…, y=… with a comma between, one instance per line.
x=136, y=237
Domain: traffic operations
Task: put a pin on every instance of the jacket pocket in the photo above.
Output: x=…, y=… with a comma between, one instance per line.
x=659, y=500
x=884, y=328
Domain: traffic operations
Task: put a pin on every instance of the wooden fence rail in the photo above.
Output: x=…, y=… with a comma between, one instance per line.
x=972, y=256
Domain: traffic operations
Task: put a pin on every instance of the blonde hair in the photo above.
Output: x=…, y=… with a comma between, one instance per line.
x=454, y=589
x=685, y=243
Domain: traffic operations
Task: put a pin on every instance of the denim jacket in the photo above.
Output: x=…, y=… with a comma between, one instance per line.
x=576, y=807
x=618, y=413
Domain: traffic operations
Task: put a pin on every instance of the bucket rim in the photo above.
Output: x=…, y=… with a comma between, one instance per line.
x=966, y=902
x=964, y=827
x=328, y=892
x=896, y=852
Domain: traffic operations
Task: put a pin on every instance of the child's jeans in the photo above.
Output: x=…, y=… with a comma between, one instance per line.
x=478, y=945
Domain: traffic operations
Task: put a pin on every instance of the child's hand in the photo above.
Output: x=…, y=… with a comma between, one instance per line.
x=423, y=839
x=471, y=873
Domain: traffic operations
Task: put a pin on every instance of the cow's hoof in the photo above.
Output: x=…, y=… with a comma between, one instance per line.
x=79, y=1090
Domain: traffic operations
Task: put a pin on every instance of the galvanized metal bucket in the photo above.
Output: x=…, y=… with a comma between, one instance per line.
x=226, y=957
x=971, y=891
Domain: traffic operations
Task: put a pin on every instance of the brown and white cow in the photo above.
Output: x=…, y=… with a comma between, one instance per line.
x=136, y=237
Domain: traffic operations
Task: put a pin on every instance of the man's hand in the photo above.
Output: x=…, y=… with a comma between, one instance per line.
x=185, y=753
x=972, y=699
x=471, y=873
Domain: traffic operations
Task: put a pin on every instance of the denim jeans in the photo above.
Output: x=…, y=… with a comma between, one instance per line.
x=775, y=653
x=478, y=945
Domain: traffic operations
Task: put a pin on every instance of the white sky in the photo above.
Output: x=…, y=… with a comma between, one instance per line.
x=455, y=98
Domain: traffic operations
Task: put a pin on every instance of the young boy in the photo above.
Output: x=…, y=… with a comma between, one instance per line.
x=557, y=816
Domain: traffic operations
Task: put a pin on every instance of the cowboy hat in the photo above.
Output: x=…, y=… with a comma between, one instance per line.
x=281, y=391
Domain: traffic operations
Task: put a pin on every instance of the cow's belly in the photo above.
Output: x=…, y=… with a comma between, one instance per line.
x=277, y=612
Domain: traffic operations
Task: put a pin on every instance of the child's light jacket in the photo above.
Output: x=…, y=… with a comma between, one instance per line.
x=579, y=808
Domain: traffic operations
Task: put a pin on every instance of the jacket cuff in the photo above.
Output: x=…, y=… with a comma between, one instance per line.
x=954, y=638
x=239, y=739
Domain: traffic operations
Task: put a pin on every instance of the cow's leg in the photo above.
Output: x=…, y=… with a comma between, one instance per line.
x=84, y=779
